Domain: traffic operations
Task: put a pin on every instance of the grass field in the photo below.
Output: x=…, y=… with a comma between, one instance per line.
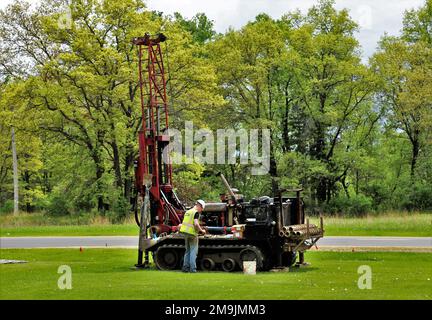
x=38, y=224
x=72, y=230
x=106, y=274
x=394, y=224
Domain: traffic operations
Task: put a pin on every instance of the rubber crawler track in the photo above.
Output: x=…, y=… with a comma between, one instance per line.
x=165, y=255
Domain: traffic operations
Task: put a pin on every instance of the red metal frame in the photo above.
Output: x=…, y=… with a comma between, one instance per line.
x=152, y=140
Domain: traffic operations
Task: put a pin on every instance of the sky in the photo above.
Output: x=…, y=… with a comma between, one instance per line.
x=375, y=17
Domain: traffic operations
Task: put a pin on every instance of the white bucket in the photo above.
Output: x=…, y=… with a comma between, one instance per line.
x=249, y=267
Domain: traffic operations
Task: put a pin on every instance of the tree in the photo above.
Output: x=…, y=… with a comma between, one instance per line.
x=335, y=86
x=199, y=26
x=83, y=78
x=301, y=77
x=406, y=73
x=350, y=134
x=247, y=62
x=417, y=24
x=24, y=151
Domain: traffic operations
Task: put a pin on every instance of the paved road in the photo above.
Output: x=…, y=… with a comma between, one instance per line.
x=132, y=242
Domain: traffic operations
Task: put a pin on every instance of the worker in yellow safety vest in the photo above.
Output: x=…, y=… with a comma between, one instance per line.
x=190, y=228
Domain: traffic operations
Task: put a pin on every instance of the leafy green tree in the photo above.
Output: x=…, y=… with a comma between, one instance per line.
x=404, y=66
x=302, y=77
x=406, y=74
x=356, y=137
x=83, y=77
x=13, y=114
x=335, y=87
x=199, y=26
x=417, y=24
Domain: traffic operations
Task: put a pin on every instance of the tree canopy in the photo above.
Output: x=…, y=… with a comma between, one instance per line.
x=355, y=136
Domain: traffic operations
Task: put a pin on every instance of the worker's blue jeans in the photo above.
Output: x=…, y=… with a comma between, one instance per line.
x=189, y=261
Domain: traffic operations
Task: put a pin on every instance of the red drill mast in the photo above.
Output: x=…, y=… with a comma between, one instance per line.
x=153, y=168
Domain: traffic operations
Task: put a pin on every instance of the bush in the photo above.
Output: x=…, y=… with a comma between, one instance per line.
x=7, y=207
x=420, y=198
x=119, y=210
x=357, y=205
x=58, y=205
x=42, y=203
x=379, y=194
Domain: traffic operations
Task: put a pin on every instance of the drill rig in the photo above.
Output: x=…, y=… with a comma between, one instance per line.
x=270, y=231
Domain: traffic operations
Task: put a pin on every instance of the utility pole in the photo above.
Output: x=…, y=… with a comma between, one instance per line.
x=15, y=173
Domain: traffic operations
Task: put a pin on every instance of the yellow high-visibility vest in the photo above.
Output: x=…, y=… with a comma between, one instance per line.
x=188, y=223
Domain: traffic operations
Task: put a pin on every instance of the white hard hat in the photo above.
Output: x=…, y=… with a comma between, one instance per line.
x=201, y=203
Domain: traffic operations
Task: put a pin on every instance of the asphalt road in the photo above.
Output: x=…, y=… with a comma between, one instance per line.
x=132, y=242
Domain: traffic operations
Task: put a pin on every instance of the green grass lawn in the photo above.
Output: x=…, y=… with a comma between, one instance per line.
x=106, y=274
x=72, y=230
x=396, y=224
x=39, y=224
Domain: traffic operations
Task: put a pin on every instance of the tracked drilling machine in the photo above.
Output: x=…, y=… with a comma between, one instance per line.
x=270, y=231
